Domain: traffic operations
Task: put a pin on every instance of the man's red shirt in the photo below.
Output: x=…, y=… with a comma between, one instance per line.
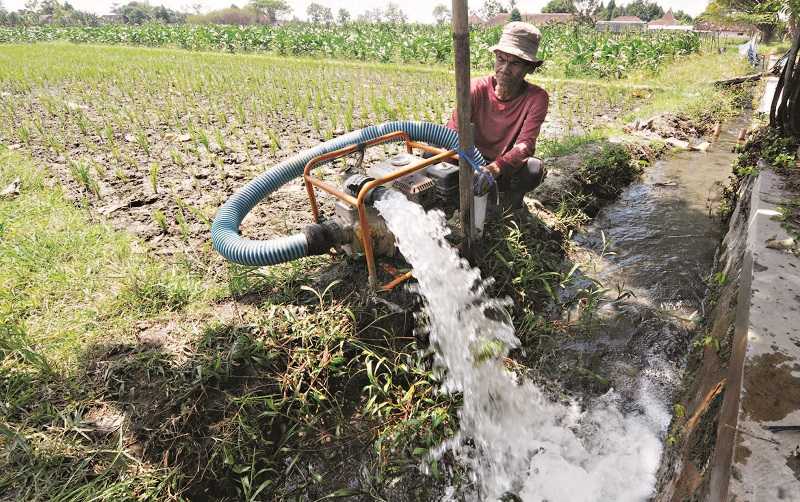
x=505, y=131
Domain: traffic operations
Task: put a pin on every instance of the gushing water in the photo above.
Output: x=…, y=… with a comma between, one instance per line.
x=513, y=438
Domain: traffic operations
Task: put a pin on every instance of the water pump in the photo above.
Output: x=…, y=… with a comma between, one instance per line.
x=433, y=187
x=425, y=180
x=356, y=227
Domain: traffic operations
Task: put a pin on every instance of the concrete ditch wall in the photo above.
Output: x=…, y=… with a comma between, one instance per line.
x=739, y=436
x=757, y=455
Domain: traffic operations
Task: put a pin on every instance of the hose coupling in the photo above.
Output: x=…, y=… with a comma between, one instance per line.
x=321, y=237
x=354, y=184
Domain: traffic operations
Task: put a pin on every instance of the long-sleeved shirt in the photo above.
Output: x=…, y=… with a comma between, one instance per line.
x=505, y=131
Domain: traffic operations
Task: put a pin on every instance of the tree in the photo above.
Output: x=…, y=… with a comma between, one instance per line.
x=343, y=16
x=394, y=14
x=644, y=10
x=441, y=13
x=515, y=15
x=232, y=16
x=585, y=11
x=763, y=14
x=611, y=10
x=492, y=8
x=683, y=17
x=555, y=6
x=168, y=16
x=134, y=12
x=319, y=14
x=270, y=9
x=372, y=15
x=48, y=7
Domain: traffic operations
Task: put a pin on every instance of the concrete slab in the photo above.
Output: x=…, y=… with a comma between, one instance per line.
x=769, y=94
x=759, y=431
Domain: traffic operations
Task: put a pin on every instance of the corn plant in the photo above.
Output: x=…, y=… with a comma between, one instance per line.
x=575, y=49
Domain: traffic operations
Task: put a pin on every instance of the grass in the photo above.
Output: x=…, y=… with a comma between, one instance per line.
x=763, y=142
x=684, y=87
x=60, y=277
x=68, y=285
x=94, y=333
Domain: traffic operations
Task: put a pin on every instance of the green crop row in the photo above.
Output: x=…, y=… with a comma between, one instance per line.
x=573, y=50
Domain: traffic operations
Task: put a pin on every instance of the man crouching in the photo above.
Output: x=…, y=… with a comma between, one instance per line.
x=507, y=113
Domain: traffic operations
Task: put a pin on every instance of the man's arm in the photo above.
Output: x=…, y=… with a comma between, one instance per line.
x=525, y=146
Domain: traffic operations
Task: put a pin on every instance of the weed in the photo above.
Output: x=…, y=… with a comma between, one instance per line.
x=565, y=145
x=180, y=218
x=24, y=133
x=153, y=289
x=155, y=168
x=143, y=141
x=763, y=143
x=220, y=140
x=784, y=161
x=202, y=138
x=81, y=173
x=177, y=158
x=719, y=279
x=160, y=219
x=608, y=173
x=707, y=341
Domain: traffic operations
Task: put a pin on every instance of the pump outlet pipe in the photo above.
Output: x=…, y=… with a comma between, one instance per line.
x=314, y=239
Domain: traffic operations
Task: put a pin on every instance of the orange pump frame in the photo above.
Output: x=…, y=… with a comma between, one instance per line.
x=365, y=236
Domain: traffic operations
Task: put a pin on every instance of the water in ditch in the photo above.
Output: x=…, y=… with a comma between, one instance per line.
x=656, y=243
x=653, y=251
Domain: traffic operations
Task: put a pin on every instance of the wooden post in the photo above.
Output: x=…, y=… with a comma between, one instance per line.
x=461, y=46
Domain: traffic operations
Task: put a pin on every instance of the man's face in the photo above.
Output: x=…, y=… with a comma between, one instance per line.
x=510, y=70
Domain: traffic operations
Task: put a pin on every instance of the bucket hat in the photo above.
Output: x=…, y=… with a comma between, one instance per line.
x=520, y=39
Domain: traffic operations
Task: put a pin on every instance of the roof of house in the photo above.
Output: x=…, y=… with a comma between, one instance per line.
x=627, y=19
x=708, y=26
x=473, y=19
x=668, y=20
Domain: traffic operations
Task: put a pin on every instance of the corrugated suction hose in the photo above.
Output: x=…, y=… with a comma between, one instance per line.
x=225, y=234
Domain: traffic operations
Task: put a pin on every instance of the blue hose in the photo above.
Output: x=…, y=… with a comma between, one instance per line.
x=225, y=234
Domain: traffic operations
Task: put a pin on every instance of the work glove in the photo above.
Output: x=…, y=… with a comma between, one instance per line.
x=482, y=182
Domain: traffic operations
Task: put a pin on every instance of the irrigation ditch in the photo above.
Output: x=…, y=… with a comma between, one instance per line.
x=182, y=377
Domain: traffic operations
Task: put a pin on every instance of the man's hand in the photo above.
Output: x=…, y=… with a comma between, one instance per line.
x=493, y=169
x=482, y=181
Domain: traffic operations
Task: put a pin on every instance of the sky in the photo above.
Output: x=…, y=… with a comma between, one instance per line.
x=416, y=10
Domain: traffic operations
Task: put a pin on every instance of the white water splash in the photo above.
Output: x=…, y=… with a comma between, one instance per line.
x=512, y=437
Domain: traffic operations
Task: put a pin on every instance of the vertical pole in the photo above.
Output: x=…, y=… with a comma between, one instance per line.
x=461, y=46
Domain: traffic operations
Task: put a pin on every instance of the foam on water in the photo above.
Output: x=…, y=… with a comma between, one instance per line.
x=512, y=436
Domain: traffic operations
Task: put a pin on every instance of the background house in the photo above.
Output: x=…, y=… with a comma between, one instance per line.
x=622, y=24
x=669, y=22
x=741, y=30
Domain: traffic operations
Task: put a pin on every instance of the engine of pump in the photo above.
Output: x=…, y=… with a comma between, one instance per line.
x=433, y=187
